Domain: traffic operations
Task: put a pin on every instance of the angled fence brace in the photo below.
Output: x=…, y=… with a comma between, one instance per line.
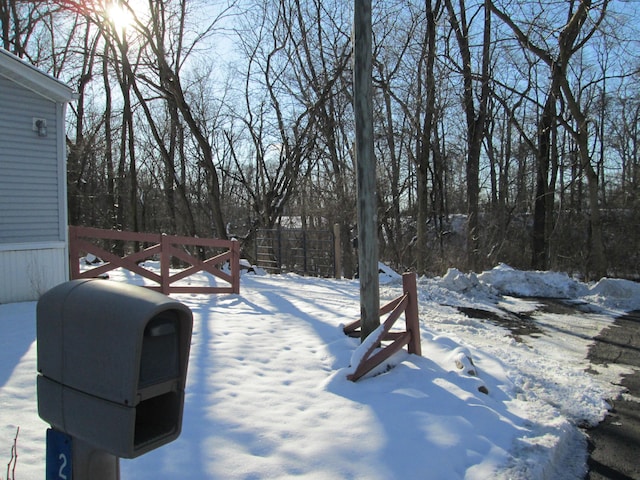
x=407, y=303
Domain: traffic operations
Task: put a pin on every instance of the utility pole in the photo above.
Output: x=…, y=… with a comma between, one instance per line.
x=366, y=169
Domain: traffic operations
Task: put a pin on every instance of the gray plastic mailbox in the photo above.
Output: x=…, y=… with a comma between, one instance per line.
x=112, y=364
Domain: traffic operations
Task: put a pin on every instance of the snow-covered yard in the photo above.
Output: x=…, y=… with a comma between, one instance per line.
x=267, y=395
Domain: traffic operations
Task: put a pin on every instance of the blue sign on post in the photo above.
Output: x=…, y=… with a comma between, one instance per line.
x=58, y=455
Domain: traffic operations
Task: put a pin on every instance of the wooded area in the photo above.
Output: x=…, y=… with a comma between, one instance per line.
x=505, y=131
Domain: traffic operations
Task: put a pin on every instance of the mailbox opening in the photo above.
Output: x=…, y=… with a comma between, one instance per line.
x=159, y=359
x=156, y=418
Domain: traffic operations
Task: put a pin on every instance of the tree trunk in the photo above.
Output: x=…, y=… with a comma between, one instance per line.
x=475, y=119
x=540, y=236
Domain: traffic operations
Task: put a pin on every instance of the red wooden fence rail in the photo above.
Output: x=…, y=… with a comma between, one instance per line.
x=164, y=246
x=407, y=303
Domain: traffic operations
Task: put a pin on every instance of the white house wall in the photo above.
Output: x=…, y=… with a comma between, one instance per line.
x=29, y=168
x=27, y=271
x=33, y=217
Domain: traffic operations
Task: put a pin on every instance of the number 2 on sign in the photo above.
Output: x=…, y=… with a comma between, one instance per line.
x=63, y=459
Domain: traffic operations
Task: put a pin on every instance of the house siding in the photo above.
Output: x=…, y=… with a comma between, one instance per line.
x=30, y=270
x=33, y=217
x=30, y=173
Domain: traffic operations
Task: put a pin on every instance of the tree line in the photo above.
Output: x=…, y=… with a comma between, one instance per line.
x=505, y=131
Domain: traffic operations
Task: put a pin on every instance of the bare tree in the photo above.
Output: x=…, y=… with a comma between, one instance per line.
x=169, y=59
x=283, y=102
x=322, y=79
x=570, y=39
x=476, y=117
x=19, y=22
x=81, y=149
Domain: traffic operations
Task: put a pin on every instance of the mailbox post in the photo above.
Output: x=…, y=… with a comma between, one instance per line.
x=112, y=365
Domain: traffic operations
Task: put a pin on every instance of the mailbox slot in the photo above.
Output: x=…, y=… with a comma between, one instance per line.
x=159, y=360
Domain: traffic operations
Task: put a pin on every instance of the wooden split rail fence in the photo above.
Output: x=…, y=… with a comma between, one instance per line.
x=407, y=303
x=165, y=248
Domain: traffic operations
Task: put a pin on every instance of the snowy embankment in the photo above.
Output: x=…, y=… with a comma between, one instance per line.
x=267, y=395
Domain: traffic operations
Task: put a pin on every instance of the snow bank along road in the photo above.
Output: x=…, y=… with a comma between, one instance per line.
x=614, y=444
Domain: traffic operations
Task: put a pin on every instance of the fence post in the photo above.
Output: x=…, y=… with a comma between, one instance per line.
x=256, y=244
x=235, y=265
x=337, y=252
x=305, y=267
x=411, y=313
x=74, y=260
x=279, y=262
x=165, y=261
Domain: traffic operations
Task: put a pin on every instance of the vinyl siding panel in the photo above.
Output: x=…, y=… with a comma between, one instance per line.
x=27, y=274
x=30, y=171
x=33, y=239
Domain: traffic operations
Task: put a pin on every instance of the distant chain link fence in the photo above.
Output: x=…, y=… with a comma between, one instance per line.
x=305, y=252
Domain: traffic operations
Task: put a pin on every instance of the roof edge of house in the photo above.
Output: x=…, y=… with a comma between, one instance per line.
x=25, y=74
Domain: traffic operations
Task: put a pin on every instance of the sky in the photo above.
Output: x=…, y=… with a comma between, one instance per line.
x=267, y=394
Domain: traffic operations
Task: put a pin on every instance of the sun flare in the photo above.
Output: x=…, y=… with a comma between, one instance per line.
x=119, y=15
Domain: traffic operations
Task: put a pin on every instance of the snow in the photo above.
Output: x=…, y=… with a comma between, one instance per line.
x=267, y=393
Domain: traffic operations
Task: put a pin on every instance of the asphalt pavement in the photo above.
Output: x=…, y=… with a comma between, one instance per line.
x=615, y=442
